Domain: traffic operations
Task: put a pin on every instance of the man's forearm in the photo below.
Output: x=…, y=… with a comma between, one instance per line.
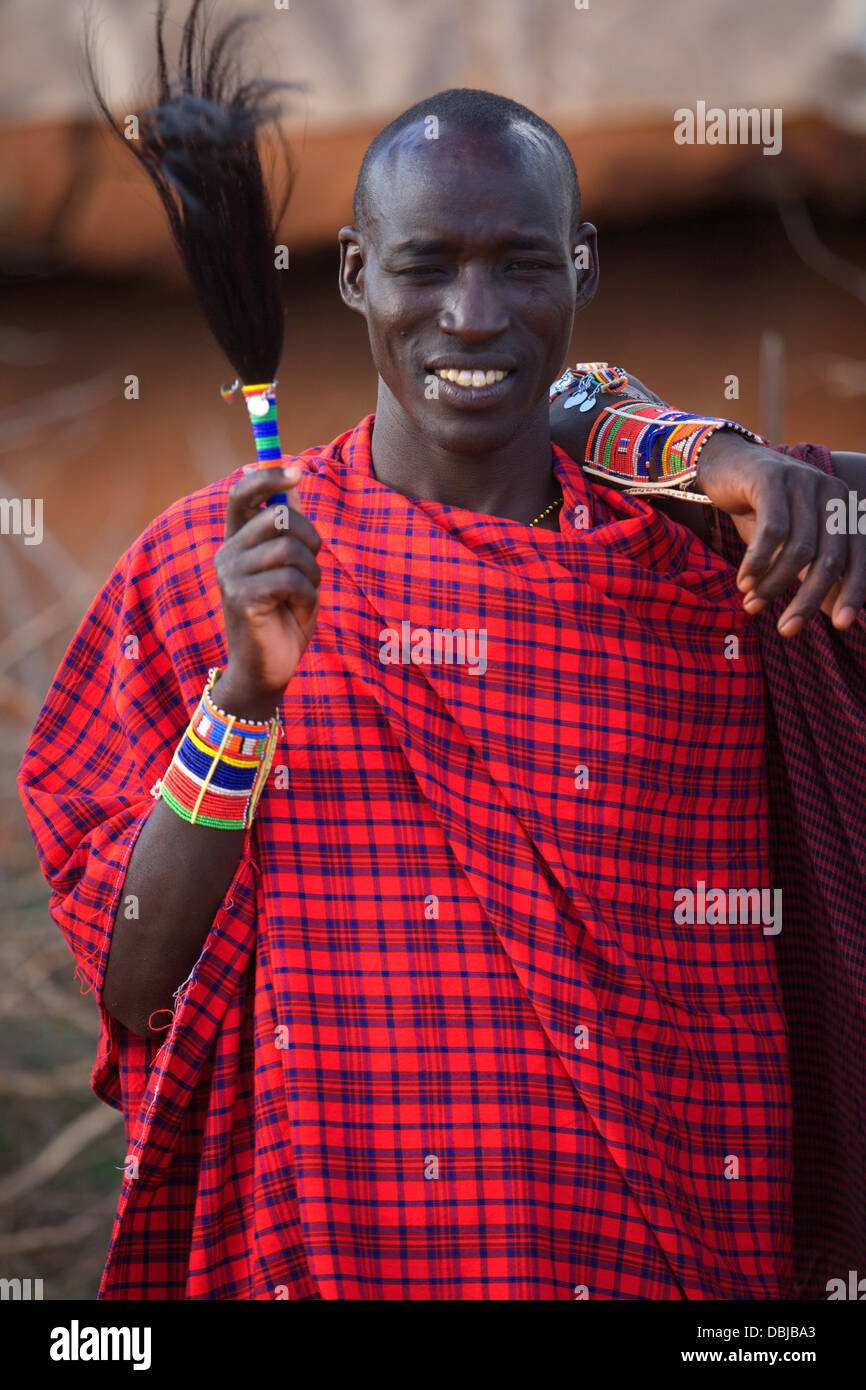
x=176, y=880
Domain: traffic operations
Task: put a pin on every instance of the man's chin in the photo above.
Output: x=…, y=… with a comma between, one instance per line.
x=471, y=433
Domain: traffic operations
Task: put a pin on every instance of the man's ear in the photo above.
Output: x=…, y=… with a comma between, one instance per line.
x=585, y=255
x=352, y=268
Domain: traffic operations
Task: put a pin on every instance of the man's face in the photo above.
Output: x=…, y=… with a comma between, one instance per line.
x=468, y=267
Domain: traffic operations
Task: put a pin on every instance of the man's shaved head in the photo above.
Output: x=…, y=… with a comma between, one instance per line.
x=473, y=112
x=467, y=257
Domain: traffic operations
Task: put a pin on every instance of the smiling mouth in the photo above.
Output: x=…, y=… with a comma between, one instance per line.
x=473, y=388
x=460, y=376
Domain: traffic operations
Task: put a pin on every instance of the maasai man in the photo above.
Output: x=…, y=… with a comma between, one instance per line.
x=438, y=940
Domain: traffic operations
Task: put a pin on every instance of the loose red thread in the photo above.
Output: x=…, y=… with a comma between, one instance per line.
x=86, y=986
x=162, y=1027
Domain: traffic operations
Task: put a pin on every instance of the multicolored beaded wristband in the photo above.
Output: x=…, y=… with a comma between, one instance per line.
x=220, y=766
x=635, y=431
x=630, y=436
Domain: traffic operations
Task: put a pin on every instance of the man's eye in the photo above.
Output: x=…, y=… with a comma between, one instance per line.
x=528, y=265
x=416, y=271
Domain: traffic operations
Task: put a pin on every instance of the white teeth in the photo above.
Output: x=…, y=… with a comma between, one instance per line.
x=462, y=377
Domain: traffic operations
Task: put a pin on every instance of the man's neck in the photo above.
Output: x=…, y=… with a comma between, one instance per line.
x=515, y=480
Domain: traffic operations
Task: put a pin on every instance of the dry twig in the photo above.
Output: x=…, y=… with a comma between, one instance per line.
x=59, y=1151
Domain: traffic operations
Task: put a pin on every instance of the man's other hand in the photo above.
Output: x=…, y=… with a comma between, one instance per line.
x=779, y=506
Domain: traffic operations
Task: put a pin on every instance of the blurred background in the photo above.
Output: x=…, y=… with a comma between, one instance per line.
x=733, y=282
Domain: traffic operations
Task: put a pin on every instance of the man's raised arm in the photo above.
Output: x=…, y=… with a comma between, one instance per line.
x=180, y=872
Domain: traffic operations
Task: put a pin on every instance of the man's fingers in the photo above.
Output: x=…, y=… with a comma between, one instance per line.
x=826, y=569
x=267, y=523
x=842, y=600
x=279, y=553
x=798, y=550
x=246, y=510
x=254, y=489
x=287, y=584
x=772, y=527
x=818, y=584
x=852, y=590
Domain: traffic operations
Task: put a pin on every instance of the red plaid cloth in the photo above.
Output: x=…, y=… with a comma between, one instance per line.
x=446, y=1038
x=816, y=755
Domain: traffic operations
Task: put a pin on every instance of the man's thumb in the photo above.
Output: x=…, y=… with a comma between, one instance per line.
x=293, y=477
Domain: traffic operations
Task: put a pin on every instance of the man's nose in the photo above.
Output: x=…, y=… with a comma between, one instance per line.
x=474, y=309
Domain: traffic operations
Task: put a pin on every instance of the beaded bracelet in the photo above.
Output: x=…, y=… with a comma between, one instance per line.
x=628, y=435
x=220, y=766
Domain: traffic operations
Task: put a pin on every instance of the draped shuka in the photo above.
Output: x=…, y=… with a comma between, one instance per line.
x=466, y=1024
